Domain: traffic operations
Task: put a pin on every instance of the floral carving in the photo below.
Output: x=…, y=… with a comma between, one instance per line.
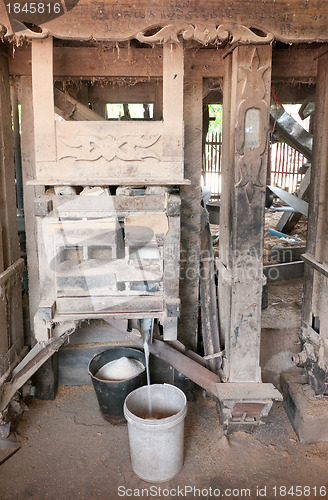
x=250, y=158
x=204, y=34
x=126, y=148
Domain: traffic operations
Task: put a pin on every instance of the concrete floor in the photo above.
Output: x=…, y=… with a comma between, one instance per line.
x=68, y=451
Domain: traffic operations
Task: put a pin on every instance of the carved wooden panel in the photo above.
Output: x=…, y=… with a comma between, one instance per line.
x=252, y=127
x=99, y=150
x=204, y=21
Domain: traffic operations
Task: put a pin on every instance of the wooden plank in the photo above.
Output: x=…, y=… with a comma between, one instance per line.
x=243, y=207
x=43, y=100
x=291, y=200
x=294, y=63
x=11, y=320
x=14, y=269
x=181, y=362
x=84, y=233
x=101, y=206
x=191, y=207
x=208, y=299
x=29, y=369
x=173, y=73
x=141, y=92
x=288, y=221
x=90, y=62
x=321, y=268
x=2, y=265
x=288, y=21
x=112, y=181
x=285, y=271
x=71, y=109
x=313, y=306
x=29, y=192
x=110, y=305
x=91, y=150
x=172, y=259
x=10, y=244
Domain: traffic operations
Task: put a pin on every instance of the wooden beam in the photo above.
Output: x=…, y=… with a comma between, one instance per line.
x=315, y=290
x=299, y=65
x=29, y=192
x=191, y=197
x=43, y=100
x=11, y=320
x=142, y=92
x=286, y=20
x=10, y=244
x=173, y=72
x=70, y=109
x=242, y=209
x=288, y=220
x=88, y=62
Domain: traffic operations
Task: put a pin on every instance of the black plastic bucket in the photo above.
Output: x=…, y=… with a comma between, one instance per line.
x=112, y=393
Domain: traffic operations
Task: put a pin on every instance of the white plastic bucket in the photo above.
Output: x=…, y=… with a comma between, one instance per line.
x=156, y=444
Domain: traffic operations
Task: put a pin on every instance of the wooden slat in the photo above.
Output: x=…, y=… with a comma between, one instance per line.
x=321, y=268
x=43, y=100
x=102, y=206
x=107, y=304
x=70, y=109
x=84, y=233
x=292, y=200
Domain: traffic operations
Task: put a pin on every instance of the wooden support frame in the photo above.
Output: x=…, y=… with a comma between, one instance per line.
x=191, y=198
x=315, y=283
x=246, y=122
x=88, y=62
x=68, y=152
x=11, y=318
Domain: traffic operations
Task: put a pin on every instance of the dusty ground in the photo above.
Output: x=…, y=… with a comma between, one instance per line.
x=272, y=217
x=70, y=452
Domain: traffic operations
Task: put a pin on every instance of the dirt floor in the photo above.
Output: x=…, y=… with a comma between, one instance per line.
x=68, y=451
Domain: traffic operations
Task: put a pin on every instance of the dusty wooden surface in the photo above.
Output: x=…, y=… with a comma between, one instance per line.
x=30, y=192
x=191, y=207
x=241, y=245
x=293, y=20
x=314, y=314
x=11, y=323
x=89, y=62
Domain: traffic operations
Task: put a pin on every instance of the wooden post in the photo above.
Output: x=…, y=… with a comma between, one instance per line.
x=245, y=143
x=43, y=101
x=191, y=205
x=11, y=325
x=30, y=193
x=314, y=312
